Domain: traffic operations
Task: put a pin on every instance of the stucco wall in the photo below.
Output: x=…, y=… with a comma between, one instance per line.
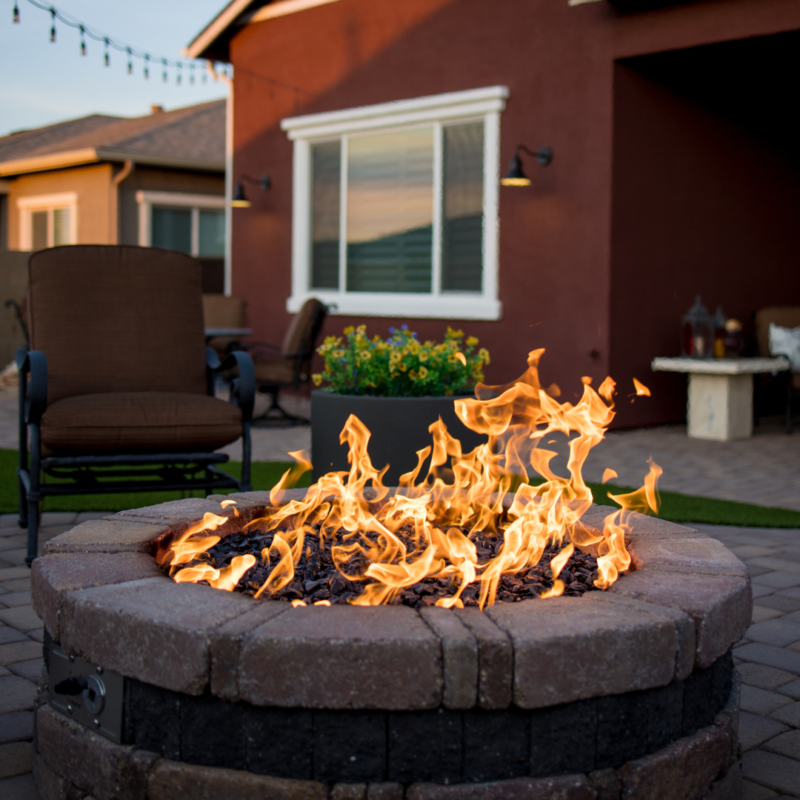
x=92, y=184
x=160, y=180
x=556, y=261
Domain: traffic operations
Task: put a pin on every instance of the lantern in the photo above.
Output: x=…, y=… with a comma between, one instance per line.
x=697, y=332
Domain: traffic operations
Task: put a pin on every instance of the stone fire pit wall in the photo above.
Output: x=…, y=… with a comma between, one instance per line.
x=627, y=693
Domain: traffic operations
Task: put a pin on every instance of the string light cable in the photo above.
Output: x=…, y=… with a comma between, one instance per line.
x=218, y=70
x=108, y=42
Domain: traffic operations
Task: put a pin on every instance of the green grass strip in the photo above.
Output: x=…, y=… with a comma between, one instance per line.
x=675, y=507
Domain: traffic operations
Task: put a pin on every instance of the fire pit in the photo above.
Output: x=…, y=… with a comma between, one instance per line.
x=425, y=674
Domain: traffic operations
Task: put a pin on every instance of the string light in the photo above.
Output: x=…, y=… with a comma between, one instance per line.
x=108, y=42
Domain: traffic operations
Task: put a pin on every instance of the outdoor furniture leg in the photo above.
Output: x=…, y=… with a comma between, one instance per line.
x=247, y=485
x=23, y=454
x=33, y=496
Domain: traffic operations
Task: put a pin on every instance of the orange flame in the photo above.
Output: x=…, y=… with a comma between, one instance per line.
x=392, y=541
x=641, y=389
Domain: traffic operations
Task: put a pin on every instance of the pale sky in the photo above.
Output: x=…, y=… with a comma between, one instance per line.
x=42, y=83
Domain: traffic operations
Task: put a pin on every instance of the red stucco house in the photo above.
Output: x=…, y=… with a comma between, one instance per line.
x=386, y=127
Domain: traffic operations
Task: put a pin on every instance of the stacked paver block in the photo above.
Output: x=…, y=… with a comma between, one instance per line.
x=460, y=676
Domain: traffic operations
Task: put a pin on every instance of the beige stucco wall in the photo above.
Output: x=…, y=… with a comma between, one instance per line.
x=160, y=180
x=93, y=185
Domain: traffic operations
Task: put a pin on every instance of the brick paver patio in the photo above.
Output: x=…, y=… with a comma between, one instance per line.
x=768, y=659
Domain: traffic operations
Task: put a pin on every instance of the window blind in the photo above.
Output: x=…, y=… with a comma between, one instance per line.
x=390, y=212
x=325, y=210
x=462, y=220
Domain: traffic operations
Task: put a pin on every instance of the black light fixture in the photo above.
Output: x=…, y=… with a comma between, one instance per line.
x=239, y=199
x=516, y=175
x=16, y=13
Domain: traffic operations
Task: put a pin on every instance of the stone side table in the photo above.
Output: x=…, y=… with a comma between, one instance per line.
x=720, y=404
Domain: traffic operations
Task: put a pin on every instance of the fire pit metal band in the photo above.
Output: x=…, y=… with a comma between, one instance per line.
x=355, y=695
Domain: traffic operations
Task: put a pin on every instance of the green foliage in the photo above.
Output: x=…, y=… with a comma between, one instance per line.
x=400, y=366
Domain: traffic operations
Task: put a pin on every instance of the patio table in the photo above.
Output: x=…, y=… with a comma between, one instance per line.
x=213, y=333
x=720, y=402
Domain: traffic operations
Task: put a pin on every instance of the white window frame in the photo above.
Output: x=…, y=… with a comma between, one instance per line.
x=195, y=202
x=49, y=203
x=469, y=106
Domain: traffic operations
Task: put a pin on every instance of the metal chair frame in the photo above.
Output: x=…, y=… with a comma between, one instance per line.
x=109, y=474
x=302, y=359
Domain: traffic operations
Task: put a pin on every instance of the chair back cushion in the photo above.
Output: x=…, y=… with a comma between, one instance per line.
x=117, y=319
x=301, y=328
x=785, y=316
x=220, y=311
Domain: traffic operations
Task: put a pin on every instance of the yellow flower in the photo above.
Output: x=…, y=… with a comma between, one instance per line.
x=338, y=353
x=423, y=373
x=348, y=330
x=317, y=379
x=362, y=329
x=394, y=357
x=472, y=341
x=483, y=354
x=365, y=355
x=423, y=355
x=402, y=366
x=413, y=375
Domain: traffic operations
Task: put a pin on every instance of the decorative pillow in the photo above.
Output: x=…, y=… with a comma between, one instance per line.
x=786, y=342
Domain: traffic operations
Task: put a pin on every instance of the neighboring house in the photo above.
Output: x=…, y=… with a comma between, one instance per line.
x=386, y=126
x=157, y=180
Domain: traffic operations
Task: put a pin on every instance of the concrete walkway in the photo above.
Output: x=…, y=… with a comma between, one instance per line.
x=768, y=659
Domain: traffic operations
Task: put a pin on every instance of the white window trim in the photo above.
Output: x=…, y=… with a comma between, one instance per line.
x=195, y=202
x=47, y=202
x=471, y=105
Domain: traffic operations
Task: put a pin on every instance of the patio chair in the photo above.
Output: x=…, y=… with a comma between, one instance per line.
x=221, y=311
x=289, y=365
x=786, y=317
x=116, y=390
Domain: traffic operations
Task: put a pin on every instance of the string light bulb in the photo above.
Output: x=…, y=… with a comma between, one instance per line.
x=191, y=75
x=178, y=76
x=53, y=25
x=83, y=41
x=106, y=58
x=164, y=75
x=16, y=13
x=146, y=67
x=130, y=61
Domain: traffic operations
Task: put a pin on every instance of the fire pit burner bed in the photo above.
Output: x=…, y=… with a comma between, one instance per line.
x=317, y=578
x=223, y=696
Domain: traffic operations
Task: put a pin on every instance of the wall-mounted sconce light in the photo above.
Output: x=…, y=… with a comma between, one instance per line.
x=239, y=199
x=516, y=175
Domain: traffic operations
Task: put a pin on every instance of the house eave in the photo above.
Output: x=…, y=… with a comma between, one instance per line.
x=212, y=42
x=91, y=155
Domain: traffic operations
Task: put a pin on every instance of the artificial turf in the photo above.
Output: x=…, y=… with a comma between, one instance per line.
x=675, y=507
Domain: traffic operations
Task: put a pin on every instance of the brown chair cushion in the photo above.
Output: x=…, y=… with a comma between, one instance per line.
x=117, y=319
x=785, y=316
x=220, y=311
x=300, y=327
x=278, y=371
x=133, y=422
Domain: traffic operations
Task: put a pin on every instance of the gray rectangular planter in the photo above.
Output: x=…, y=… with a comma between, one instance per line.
x=399, y=427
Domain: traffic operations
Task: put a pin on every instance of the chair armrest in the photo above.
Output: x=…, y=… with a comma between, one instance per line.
x=243, y=387
x=263, y=348
x=33, y=363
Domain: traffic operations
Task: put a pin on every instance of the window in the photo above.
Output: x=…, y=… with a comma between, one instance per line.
x=48, y=220
x=395, y=207
x=190, y=223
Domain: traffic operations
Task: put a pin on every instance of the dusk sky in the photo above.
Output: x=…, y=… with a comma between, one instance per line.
x=45, y=83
